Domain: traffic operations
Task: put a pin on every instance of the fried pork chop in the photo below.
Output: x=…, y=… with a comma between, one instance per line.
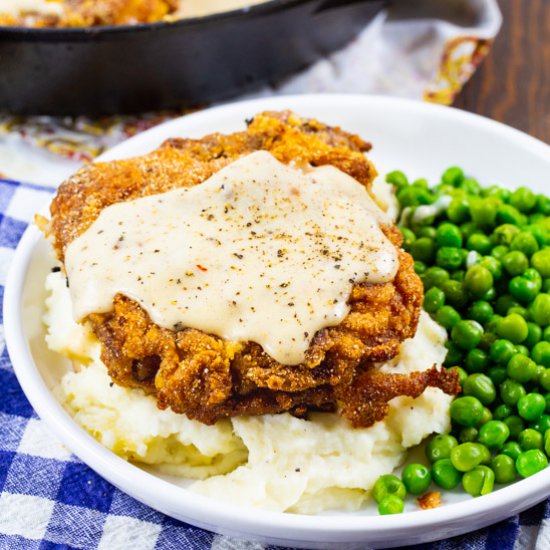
x=208, y=378
x=91, y=13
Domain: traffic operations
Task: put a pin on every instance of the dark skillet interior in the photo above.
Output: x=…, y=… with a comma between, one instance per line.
x=129, y=69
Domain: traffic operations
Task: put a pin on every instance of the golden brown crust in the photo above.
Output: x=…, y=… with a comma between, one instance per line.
x=207, y=377
x=92, y=13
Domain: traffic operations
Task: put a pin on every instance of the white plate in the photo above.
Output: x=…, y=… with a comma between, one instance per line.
x=419, y=138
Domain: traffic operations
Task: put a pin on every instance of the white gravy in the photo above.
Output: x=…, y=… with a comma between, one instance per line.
x=259, y=252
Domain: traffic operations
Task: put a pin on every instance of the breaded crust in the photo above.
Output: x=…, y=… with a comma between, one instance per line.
x=91, y=13
x=203, y=375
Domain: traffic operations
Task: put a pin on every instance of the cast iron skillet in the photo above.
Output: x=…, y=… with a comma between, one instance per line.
x=125, y=69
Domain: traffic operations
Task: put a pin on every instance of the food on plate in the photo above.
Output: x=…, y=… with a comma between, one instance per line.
x=89, y=13
x=483, y=254
x=239, y=310
x=284, y=297
x=276, y=462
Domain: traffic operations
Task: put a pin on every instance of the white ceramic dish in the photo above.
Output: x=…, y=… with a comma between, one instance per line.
x=419, y=138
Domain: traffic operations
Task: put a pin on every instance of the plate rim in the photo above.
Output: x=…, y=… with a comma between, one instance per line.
x=254, y=522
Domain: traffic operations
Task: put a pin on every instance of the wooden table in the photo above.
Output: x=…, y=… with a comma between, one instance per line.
x=513, y=83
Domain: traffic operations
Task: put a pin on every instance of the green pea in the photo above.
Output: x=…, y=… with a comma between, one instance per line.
x=541, y=353
x=521, y=311
x=541, y=234
x=478, y=280
x=514, y=262
x=487, y=416
x=524, y=288
x=543, y=205
x=511, y=449
x=523, y=350
x=455, y=294
x=476, y=361
x=434, y=299
x=514, y=328
x=453, y=176
x=547, y=442
x=497, y=375
x=531, y=406
x=504, y=468
x=468, y=435
x=499, y=252
x=480, y=243
x=509, y=214
x=471, y=186
x=521, y=368
x=494, y=434
x=462, y=374
x=493, y=265
x=530, y=462
x=544, y=379
x=492, y=325
x=388, y=485
x=408, y=237
x=466, y=411
x=413, y=196
x=448, y=235
x=445, y=475
x=534, y=335
x=466, y=456
x=515, y=425
x=523, y=199
x=511, y=391
x=525, y=242
x=530, y=439
x=502, y=411
x=391, y=504
x=481, y=386
x=454, y=354
x=546, y=334
x=448, y=257
x=542, y=424
x=467, y=334
x=440, y=447
x=479, y=481
x=502, y=351
x=427, y=231
x=540, y=310
x=458, y=211
x=458, y=275
x=468, y=229
x=504, y=303
x=435, y=276
x=417, y=478
x=397, y=178
x=420, y=267
x=546, y=286
x=423, y=249
x=481, y=311
x=492, y=191
x=504, y=234
x=421, y=182
x=484, y=212
x=447, y=317
x=541, y=262
x=539, y=373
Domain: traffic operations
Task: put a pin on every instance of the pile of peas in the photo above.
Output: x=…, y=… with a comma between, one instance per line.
x=483, y=254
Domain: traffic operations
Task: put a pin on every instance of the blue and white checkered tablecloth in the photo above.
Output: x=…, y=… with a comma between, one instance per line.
x=49, y=499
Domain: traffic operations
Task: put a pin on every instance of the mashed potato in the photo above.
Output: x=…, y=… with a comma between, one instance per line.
x=275, y=462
